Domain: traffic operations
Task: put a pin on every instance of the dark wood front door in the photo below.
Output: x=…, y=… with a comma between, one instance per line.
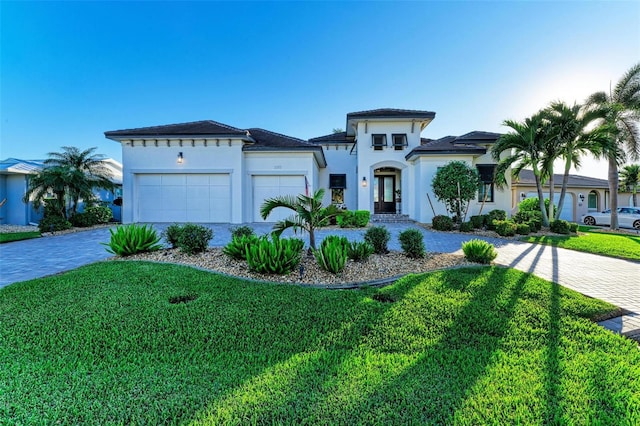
x=383, y=194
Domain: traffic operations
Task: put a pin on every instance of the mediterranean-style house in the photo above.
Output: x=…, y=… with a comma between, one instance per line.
x=206, y=171
x=14, y=182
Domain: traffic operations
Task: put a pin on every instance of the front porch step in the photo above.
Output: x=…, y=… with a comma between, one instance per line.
x=390, y=218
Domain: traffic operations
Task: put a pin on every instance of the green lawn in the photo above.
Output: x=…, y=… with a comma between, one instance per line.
x=103, y=344
x=616, y=245
x=17, y=236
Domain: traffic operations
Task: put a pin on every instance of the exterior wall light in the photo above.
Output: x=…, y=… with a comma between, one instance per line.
x=180, y=157
x=523, y=195
x=581, y=196
x=364, y=182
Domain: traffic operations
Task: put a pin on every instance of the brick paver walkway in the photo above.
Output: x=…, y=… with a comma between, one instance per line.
x=613, y=280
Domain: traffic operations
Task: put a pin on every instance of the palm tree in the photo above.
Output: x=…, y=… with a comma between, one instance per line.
x=620, y=109
x=309, y=213
x=573, y=136
x=525, y=145
x=630, y=179
x=86, y=171
x=50, y=180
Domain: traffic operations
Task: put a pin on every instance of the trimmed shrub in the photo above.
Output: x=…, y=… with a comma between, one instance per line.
x=505, y=228
x=442, y=223
x=535, y=225
x=522, y=229
x=361, y=218
x=194, y=238
x=378, y=237
x=560, y=226
x=99, y=214
x=359, y=251
x=532, y=204
x=132, y=239
x=237, y=247
x=573, y=227
x=274, y=256
x=479, y=251
x=171, y=234
x=243, y=230
x=353, y=219
x=82, y=220
x=54, y=224
x=466, y=226
x=332, y=254
x=477, y=221
x=493, y=216
x=330, y=214
x=412, y=243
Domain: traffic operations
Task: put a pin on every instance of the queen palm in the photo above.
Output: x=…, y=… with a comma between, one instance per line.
x=620, y=109
x=309, y=213
x=525, y=144
x=573, y=137
x=630, y=179
x=86, y=171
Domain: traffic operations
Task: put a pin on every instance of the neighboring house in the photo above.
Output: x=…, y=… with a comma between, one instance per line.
x=206, y=171
x=14, y=183
x=584, y=194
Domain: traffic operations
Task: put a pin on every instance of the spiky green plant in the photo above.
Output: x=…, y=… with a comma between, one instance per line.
x=131, y=239
x=479, y=251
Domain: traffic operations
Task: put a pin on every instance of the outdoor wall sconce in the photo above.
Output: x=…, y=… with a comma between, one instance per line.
x=523, y=195
x=581, y=196
x=364, y=182
x=180, y=158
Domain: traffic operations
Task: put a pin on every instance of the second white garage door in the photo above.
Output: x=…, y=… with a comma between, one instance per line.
x=265, y=187
x=204, y=198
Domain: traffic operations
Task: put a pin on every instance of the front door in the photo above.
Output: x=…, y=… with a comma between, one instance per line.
x=383, y=194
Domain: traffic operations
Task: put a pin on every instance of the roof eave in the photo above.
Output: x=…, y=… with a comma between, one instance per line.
x=122, y=138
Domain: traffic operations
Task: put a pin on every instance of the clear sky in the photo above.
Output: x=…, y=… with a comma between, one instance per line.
x=72, y=70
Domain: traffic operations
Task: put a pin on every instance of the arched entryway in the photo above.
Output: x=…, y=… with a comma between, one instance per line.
x=386, y=190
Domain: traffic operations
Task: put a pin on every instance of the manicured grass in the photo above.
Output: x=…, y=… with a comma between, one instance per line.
x=18, y=236
x=103, y=344
x=616, y=245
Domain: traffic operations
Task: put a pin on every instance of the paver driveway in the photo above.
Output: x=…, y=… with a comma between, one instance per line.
x=614, y=280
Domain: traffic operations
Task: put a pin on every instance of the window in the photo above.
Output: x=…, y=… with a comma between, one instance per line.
x=399, y=141
x=592, y=200
x=378, y=142
x=486, y=182
x=337, y=196
x=337, y=181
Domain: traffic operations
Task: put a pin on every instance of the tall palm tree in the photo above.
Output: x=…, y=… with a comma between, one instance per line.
x=50, y=180
x=310, y=213
x=620, y=109
x=87, y=171
x=574, y=136
x=630, y=179
x=525, y=144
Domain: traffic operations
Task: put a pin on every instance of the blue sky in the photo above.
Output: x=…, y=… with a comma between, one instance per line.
x=73, y=70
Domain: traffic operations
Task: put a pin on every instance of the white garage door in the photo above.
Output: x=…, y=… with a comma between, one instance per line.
x=204, y=198
x=265, y=187
x=567, y=208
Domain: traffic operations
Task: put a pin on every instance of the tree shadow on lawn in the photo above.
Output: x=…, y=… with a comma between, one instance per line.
x=416, y=361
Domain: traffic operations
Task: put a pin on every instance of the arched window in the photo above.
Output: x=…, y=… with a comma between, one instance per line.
x=592, y=202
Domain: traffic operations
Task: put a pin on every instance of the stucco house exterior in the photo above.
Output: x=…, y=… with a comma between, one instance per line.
x=14, y=182
x=206, y=171
x=584, y=194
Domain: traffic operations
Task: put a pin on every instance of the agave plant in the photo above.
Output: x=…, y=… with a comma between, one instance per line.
x=131, y=239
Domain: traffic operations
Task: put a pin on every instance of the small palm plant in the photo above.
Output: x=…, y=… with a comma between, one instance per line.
x=309, y=213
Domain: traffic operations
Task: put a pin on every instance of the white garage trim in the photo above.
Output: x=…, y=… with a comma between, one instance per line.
x=182, y=197
x=264, y=186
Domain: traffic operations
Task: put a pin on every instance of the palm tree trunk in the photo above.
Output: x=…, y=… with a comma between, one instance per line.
x=563, y=191
x=613, y=191
x=312, y=238
x=551, y=195
x=545, y=218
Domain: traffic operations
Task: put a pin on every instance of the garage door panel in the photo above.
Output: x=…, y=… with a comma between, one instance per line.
x=184, y=198
x=266, y=187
